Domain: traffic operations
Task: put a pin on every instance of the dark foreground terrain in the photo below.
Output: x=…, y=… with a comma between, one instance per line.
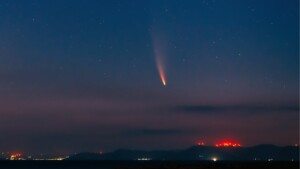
x=145, y=165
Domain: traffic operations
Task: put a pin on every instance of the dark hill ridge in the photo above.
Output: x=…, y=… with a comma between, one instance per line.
x=259, y=152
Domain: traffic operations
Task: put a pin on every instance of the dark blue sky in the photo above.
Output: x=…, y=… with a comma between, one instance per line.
x=82, y=75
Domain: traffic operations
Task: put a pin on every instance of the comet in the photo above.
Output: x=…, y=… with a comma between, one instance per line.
x=159, y=47
x=161, y=72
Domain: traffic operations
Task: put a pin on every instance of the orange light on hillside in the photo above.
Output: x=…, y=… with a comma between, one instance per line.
x=15, y=156
x=228, y=144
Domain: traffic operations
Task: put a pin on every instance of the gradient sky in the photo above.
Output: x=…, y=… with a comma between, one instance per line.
x=82, y=75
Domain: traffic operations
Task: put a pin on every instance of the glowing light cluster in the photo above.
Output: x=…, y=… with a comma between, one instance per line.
x=15, y=156
x=200, y=143
x=228, y=144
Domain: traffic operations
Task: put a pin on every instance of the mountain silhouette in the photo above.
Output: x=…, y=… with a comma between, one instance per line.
x=259, y=152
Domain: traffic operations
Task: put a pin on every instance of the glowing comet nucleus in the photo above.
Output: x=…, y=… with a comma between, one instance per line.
x=161, y=72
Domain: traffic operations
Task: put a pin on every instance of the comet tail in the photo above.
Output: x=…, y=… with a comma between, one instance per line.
x=159, y=47
x=161, y=72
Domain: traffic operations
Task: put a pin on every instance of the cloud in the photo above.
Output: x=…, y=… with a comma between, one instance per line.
x=152, y=132
x=236, y=108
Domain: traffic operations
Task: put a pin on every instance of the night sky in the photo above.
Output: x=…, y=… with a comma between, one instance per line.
x=80, y=75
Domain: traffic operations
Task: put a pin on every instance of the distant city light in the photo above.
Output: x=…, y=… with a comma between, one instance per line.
x=214, y=159
x=144, y=159
x=15, y=156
